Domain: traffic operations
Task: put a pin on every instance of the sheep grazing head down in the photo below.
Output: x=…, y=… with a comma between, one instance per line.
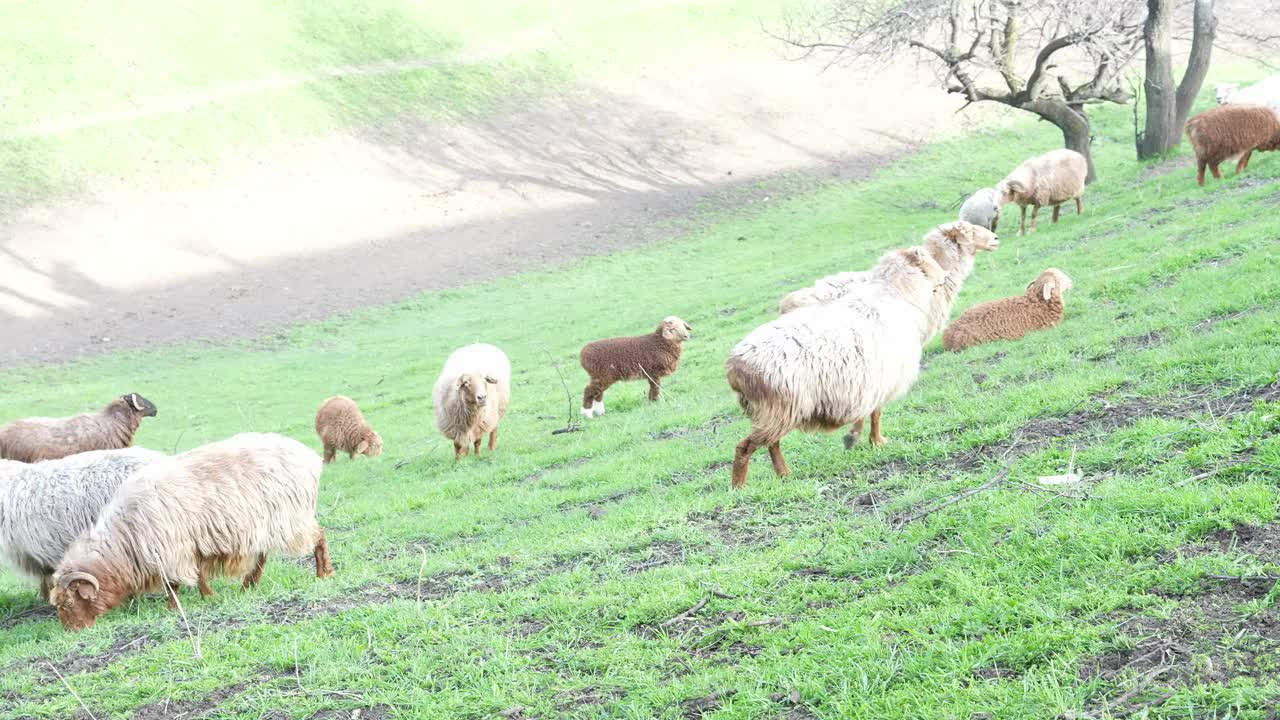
x=371, y=446
x=474, y=389
x=1009, y=190
x=139, y=404
x=970, y=238
x=673, y=328
x=79, y=599
x=1050, y=285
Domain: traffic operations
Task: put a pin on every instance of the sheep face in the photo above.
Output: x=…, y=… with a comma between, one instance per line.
x=1008, y=191
x=76, y=595
x=1222, y=91
x=673, y=328
x=970, y=238
x=139, y=404
x=371, y=446
x=474, y=389
x=1050, y=284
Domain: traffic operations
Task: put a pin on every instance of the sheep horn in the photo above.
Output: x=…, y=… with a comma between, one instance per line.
x=77, y=575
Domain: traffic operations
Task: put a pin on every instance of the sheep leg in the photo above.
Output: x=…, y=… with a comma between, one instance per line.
x=1022, y=226
x=1056, y=210
x=1217, y=174
x=458, y=451
x=324, y=567
x=329, y=452
x=477, y=446
x=593, y=398
x=46, y=586
x=779, y=463
x=877, y=439
x=1200, y=166
x=172, y=595
x=655, y=390
x=855, y=432
x=1244, y=162
x=255, y=575
x=1079, y=206
x=493, y=440
x=1035, y=210
x=742, y=460
x=202, y=584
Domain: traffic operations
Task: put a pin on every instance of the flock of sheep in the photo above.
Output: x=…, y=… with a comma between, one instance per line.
x=96, y=521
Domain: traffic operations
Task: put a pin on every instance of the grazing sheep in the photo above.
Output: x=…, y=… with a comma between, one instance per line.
x=218, y=509
x=1264, y=92
x=40, y=438
x=643, y=357
x=823, y=367
x=471, y=397
x=1230, y=130
x=982, y=209
x=1040, y=308
x=45, y=506
x=1049, y=179
x=341, y=426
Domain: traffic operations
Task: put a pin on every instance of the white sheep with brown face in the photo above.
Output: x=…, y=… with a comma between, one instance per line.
x=42, y=438
x=471, y=397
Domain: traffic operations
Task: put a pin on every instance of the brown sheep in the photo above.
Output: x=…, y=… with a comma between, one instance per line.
x=1049, y=179
x=643, y=357
x=1230, y=130
x=341, y=426
x=1040, y=308
x=41, y=438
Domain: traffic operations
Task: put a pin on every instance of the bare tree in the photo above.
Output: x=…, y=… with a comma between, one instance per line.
x=1052, y=58
x=1167, y=105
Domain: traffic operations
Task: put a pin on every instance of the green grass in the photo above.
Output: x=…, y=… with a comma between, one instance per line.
x=90, y=63
x=467, y=589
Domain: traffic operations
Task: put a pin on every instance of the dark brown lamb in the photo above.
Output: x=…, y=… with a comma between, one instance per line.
x=1039, y=308
x=1230, y=130
x=645, y=357
x=40, y=438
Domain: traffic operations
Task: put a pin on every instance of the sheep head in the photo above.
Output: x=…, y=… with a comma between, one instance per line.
x=78, y=597
x=970, y=238
x=139, y=404
x=1222, y=91
x=371, y=446
x=474, y=388
x=1049, y=285
x=1009, y=190
x=675, y=329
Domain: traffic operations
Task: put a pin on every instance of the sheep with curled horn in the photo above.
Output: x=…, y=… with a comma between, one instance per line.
x=42, y=438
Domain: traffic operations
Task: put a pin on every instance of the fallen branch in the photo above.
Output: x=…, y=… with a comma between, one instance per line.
x=999, y=478
x=571, y=425
x=701, y=604
x=765, y=622
x=1245, y=578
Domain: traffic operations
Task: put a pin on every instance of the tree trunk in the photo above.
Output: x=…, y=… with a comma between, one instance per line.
x=1076, y=133
x=1162, y=131
x=1206, y=28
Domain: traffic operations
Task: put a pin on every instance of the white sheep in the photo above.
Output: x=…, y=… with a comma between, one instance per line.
x=1045, y=180
x=982, y=209
x=471, y=396
x=823, y=290
x=1264, y=92
x=45, y=506
x=822, y=367
x=221, y=508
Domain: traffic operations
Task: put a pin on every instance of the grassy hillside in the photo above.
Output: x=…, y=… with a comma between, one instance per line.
x=555, y=575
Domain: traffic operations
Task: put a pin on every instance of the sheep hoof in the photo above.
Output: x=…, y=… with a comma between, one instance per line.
x=849, y=441
x=586, y=413
x=879, y=441
x=597, y=408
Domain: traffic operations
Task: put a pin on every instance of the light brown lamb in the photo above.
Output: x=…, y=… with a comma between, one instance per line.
x=650, y=357
x=1229, y=131
x=342, y=427
x=1049, y=179
x=1039, y=308
x=41, y=438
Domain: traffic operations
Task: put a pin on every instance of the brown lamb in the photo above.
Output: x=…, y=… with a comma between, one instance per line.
x=644, y=357
x=40, y=438
x=1230, y=130
x=1039, y=308
x=342, y=427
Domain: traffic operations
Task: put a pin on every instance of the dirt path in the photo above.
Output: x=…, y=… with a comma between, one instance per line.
x=325, y=225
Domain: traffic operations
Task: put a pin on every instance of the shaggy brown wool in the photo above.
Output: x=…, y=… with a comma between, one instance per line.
x=40, y=438
x=1230, y=130
x=1039, y=308
x=342, y=427
x=645, y=357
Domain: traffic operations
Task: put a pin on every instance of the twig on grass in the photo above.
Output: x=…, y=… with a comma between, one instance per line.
x=1245, y=578
x=194, y=636
x=700, y=604
x=71, y=690
x=571, y=425
x=999, y=478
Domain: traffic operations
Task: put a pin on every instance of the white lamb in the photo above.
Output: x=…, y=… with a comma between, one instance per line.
x=1264, y=92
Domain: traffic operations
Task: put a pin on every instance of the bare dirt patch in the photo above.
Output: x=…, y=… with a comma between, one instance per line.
x=695, y=708
x=735, y=526
x=704, y=434
x=661, y=554
x=568, y=701
x=372, y=712
x=195, y=709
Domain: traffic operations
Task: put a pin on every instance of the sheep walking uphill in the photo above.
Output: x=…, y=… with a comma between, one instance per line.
x=1229, y=131
x=1039, y=308
x=471, y=397
x=342, y=427
x=649, y=357
x=822, y=367
x=40, y=438
x=45, y=506
x=982, y=209
x=1045, y=180
x=218, y=509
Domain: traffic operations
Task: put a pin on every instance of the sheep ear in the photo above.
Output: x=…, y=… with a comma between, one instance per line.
x=464, y=381
x=489, y=379
x=688, y=327
x=364, y=445
x=133, y=400
x=1048, y=290
x=85, y=590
